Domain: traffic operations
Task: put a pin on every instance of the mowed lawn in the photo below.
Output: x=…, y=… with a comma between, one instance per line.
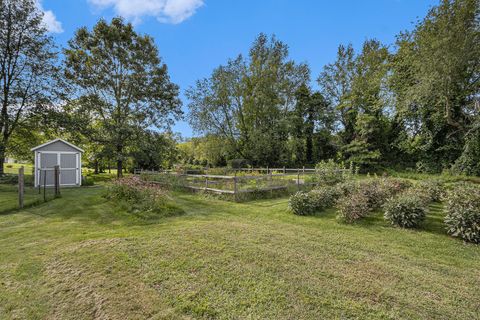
x=81, y=257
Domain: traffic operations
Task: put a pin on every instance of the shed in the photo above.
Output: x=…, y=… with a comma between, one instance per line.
x=62, y=153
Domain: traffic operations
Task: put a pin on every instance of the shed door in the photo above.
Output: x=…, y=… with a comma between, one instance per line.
x=68, y=168
x=47, y=163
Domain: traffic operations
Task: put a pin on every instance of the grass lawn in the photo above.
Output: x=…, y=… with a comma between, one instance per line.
x=80, y=257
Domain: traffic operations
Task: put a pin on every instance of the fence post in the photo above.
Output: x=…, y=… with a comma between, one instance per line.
x=235, y=188
x=21, y=186
x=284, y=170
x=57, y=180
x=298, y=179
x=206, y=183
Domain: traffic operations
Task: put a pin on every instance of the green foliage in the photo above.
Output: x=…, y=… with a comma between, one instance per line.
x=28, y=75
x=330, y=173
x=463, y=212
x=432, y=190
x=144, y=200
x=238, y=163
x=119, y=86
x=318, y=199
x=407, y=210
x=301, y=204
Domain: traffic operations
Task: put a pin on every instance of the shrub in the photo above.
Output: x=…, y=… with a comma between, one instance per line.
x=331, y=173
x=394, y=186
x=324, y=197
x=301, y=204
x=307, y=203
x=353, y=207
x=463, y=213
x=143, y=199
x=433, y=190
x=238, y=163
x=347, y=187
x=406, y=210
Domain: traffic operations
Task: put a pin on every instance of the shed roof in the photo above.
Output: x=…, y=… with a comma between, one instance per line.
x=56, y=140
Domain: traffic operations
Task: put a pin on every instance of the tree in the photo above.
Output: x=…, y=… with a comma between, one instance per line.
x=247, y=101
x=436, y=81
x=28, y=69
x=154, y=151
x=121, y=84
x=335, y=83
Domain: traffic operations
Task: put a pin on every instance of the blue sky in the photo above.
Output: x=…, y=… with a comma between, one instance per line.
x=195, y=36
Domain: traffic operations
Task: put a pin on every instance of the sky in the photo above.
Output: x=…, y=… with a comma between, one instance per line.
x=196, y=36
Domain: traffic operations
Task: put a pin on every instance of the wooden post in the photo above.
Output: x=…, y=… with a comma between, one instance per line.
x=206, y=183
x=21, y=186
x=298, y=179
x=235, y=188
x=57, y=180
x=284, y=170
x=268, y=170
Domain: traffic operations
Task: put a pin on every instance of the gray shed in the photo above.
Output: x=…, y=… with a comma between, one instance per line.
x=62, y=153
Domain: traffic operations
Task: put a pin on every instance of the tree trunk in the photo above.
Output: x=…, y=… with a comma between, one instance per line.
x=2, y=160
x=119, y=168
x=119, y=161
x=96, y=167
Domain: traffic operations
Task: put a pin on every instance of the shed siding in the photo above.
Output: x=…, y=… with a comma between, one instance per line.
x=57, y=146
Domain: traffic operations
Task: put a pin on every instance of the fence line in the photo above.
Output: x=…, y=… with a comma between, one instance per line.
x=235, y=184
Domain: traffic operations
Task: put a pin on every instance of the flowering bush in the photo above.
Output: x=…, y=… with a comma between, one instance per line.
x=142, y=197
x=463, y=212
x=353, y=207
x=407, y=210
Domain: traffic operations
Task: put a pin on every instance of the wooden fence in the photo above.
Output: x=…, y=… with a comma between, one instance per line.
x=260, y=180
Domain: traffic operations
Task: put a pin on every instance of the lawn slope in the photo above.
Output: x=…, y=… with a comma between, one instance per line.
x=80, y=257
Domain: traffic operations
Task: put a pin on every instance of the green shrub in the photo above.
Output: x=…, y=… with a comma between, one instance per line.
x=433, y=190
x=307, y=203
x=143, y=199
x=406, y=210
x=87, y=181
x=463, y=213
x=347, y=187
x=324, y=197
x=353, y=207
x=301, y=204
x=331, y=173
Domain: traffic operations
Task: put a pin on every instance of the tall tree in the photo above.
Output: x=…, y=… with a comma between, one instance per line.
x=121, y=83
x=335, y=83
x=436, y=80
x=28, y=66
x=247, y=102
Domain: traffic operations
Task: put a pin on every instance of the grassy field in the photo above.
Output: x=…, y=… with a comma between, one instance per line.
x=80, y=257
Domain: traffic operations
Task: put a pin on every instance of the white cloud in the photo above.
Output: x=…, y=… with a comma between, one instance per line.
x=50, y=21
x=168, y=11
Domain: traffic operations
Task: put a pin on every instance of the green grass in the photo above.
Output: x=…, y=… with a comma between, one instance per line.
x=80, y=257
x=12, y=168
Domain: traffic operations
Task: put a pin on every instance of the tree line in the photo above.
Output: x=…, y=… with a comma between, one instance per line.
x=412, y=104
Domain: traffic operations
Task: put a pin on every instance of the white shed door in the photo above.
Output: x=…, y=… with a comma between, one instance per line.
x=68, y=168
